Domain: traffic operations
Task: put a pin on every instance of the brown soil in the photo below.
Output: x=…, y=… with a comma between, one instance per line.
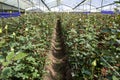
x=57, y=68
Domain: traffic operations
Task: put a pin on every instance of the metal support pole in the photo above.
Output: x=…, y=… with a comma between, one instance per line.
x=83, y=7
x=90, y=5
x=101, y=4
x=18, y=5
x=39, y=5
x=32, y=6
x=18, y=9
x=110, y=7
x=45, y=5
x=2, y=19
x=2, y=7
x=90, y=12
x=79, y=4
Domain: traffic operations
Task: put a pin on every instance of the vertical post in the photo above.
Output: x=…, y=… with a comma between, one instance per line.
x=90, y=11
x=2, y=19
x=2, y=7
x=18, y=9
x=101, y=4
x=32, y=5
x=18, y=5
x=110, y=7
x=39, y=5
x=83, y=8
x=58, y=4
x=90, y=4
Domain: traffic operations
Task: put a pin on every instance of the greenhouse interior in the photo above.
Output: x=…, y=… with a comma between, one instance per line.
x=59, y=39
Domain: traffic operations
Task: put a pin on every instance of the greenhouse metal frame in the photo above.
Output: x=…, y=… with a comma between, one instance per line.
x=73, y=5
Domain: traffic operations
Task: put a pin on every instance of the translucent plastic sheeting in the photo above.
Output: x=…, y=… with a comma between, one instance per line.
x=64, y=5
x=70, y=5
x=97, y=5
x=4, y=7
x=23, y=4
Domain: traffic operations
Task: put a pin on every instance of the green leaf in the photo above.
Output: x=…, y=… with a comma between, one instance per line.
x=106, y=30
x=6, y=72
x=10, y=56
x=19, y=67
x=1, y=58
x=114, y=78
x=2, y=42
x=118, y=41
x=31, y=59
x=73, y=31
x=6, y=63
x=18, y=75
x=0, y=30
x=20, y=55
x=85, y=71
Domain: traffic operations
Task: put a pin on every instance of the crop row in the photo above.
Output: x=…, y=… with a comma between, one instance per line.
x=93, y=45
x=24, y=43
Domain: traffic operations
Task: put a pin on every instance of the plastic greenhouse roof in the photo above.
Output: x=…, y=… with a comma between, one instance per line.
x=64, y=5
x=23, y=4
x=74, y=5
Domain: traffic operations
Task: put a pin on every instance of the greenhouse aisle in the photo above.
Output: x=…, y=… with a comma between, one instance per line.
x=58, y=68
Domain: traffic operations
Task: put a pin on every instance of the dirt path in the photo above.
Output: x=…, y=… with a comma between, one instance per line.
x=58, y=68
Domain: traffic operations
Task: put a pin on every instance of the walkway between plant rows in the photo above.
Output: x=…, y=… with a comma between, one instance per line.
x=58, y=68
